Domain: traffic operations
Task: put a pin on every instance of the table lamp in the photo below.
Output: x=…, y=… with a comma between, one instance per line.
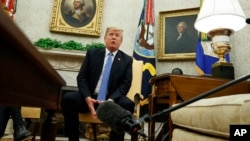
x=220, y=19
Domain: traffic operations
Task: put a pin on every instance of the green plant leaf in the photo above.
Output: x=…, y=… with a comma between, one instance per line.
x=48, y=43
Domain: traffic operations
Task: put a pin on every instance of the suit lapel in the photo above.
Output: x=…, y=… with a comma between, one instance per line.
x=116, y=62
x=99, y=61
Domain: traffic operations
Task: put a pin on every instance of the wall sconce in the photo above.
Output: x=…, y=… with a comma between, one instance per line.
x=220, y=19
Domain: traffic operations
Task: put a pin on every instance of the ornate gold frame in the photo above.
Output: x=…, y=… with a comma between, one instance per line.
x=92, y=28
x=164, y=17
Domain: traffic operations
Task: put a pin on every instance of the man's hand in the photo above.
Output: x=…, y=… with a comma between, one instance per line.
x=99, y=102
x=90, y=101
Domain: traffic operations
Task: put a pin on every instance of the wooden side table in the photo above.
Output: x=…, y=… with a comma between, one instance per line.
x=189, y=86
x=163, y=92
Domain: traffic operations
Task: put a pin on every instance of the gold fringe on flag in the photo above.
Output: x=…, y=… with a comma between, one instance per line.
x=203, y=36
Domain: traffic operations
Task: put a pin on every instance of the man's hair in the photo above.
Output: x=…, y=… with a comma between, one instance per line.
x=81, y=1
x=184, y=24
x=114, y=28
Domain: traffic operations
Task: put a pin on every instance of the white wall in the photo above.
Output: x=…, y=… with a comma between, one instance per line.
x=241, y=45
x=34, y=17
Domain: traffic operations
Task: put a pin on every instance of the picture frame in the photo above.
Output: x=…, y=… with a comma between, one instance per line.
x=86, y=22
x=169, y=46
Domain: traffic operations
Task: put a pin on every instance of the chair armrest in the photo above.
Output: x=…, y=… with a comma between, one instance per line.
x=137, y=98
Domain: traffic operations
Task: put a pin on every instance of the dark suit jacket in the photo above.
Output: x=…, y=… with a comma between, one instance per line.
x=120, y=76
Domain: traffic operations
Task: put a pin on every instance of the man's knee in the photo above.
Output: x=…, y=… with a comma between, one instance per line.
x=68, y=98
x=127, y=104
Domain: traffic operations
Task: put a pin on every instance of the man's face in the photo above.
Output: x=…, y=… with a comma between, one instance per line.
x=180, y=28
x=77, y=4
x=113, y=40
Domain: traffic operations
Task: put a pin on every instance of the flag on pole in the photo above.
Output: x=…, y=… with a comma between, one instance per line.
x=144, y=45
x=9, y=6
x=205, y=57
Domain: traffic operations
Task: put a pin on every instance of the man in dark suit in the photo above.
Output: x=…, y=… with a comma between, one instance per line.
x=89, y=83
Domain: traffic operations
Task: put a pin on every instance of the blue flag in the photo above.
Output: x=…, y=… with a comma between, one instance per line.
x=144, y=45
x=205, y=57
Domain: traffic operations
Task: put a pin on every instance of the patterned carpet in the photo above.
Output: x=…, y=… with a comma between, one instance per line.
x=9, y=137
x=12, y=140
x=55, y=140
x=37, y=139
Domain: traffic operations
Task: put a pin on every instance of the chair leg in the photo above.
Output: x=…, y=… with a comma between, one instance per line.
x=28, y=122
x=142, y=126
x=36, y=128
x=94, y=128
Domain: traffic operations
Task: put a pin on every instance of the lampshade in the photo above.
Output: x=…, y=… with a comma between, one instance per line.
x=219, y=14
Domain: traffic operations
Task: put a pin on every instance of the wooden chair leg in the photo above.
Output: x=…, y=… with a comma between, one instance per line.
x=28, y=122
x=36, y=123
x=94, y=128
x=37, y=126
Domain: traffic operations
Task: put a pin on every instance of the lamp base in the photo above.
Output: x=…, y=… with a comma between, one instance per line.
x=223, y=70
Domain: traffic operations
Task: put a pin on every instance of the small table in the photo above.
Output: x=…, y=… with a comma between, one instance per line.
x=163, y=92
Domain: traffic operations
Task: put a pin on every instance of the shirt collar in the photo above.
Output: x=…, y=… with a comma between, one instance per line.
x=107, y=52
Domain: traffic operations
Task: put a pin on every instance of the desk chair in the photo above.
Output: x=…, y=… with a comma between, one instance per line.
x=134, y=94
x=32, y=116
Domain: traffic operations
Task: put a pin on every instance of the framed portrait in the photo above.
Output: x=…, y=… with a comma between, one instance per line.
x=177, y=35
x=77, y=17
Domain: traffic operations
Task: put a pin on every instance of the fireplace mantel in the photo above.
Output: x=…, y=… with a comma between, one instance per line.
x=66, y=60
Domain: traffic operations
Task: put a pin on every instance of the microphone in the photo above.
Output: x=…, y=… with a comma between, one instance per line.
x=119, y=119
x=248, y=20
